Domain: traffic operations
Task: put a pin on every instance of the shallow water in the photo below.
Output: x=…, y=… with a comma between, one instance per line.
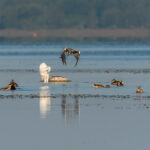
x=74, y=115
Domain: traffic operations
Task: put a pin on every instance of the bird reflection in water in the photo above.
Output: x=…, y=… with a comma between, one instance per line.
x=44, y=102
x=138, y=97
x=70, y=107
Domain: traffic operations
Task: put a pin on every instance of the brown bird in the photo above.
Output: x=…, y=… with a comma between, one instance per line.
x=69, y=51
x=98, y=86
x=118, y=83
x=11, y=86
x=139, y=90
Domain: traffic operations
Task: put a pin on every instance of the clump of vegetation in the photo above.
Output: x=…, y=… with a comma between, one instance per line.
x=81, y=14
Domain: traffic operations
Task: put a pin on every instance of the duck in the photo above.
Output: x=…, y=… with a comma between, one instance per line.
x=139, y=90
x=118, y=83
x=98, y=86
x=11, y=86
x=45, y=77
x=69, y=51
x=13, y=83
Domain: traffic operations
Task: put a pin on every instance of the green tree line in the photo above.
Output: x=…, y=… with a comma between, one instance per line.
x=80, y=14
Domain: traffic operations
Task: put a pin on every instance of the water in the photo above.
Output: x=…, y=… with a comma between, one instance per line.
x=74, y=115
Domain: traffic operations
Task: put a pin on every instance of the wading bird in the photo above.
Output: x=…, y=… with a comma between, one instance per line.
x=68, y=51
x=44, y=72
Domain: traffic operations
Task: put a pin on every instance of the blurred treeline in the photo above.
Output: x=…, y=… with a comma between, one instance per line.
x=80, y=14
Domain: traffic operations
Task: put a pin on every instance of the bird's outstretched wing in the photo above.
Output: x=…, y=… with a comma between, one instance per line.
x=76, y=55
x=63, y=57
x=64, y=52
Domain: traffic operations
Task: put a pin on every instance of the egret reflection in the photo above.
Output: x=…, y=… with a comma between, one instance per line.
x=45, y=102
x=70, y=107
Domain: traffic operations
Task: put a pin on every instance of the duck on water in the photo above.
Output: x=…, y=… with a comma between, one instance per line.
x=11, y=86
x=44, y=72
x=139, y=90
x=118, y=83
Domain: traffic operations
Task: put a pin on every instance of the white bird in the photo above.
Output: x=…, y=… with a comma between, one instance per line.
x=44, y=72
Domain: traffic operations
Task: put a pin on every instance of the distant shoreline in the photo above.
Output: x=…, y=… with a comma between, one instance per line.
x=81, y=35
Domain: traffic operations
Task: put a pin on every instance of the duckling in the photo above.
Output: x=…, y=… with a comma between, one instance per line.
x=98, y=86
x=139, y=90
x=107, y=86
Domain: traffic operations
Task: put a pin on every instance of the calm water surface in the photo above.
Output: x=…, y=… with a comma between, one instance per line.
x=75, y=116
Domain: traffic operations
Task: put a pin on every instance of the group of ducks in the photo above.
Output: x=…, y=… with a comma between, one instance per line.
x=113, y=82
x=117, y=83
x=45, y=70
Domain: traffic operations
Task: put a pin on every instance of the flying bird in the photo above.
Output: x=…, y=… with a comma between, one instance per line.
x=68, y=51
